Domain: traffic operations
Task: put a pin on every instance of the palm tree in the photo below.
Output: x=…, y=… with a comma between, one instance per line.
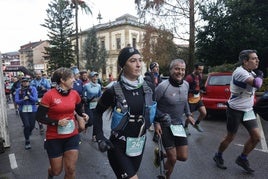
x=75, y=4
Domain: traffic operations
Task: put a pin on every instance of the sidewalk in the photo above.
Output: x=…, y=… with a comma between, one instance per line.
x=17, y=154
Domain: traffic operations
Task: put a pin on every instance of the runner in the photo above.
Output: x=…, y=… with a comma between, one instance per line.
x=59, y=109
x=240, y=108
x=131, y=101
x=194, y=96
x=172, y=103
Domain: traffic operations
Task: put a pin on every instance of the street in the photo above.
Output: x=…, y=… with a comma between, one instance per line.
x=18, y=163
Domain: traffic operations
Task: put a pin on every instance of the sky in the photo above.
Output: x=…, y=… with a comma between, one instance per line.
x=21, y=19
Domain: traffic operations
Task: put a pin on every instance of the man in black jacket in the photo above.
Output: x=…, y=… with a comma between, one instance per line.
x=153, y=75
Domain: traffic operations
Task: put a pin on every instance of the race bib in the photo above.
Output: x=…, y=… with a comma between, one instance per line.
x=135, y=146
x=68, y=129
x=27, y=108
x=92, y=105
x=178, y=130
x=249, y=115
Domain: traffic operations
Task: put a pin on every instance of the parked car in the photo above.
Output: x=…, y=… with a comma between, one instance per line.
x=216, y=92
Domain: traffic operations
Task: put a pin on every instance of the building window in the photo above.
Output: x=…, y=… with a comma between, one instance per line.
x=103, y=44
x=134, y=42
x=118, y=43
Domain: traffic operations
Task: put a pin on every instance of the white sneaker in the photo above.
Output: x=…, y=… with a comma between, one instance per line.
x=151, y=128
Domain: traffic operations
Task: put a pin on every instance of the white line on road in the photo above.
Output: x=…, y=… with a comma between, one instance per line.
x=261, y=150
x=264, y=147
x=263, y=140
x=13, y=162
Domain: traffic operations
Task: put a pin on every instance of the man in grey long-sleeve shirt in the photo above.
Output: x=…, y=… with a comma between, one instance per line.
x=172, y=103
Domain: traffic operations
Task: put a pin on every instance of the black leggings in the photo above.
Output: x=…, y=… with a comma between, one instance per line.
x=123, y=165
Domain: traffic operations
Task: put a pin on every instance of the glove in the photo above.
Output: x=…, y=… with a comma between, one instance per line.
x=258, y=79
x=105, y=145
x=257, y=82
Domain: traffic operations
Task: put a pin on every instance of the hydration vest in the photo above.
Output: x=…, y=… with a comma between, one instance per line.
x=121, y=115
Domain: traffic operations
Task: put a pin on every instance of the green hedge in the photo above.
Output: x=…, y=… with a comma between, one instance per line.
x=264, y=85
x=222, y=68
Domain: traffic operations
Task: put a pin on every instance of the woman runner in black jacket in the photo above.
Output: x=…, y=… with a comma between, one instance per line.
x=131, y=100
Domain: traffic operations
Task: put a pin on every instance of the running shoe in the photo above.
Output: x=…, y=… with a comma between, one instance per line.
x=94, y=139
x=244, y=164
x=27, y=146
x=198, y=128
x=151, y=128
x=49, y=177
x=219, y=162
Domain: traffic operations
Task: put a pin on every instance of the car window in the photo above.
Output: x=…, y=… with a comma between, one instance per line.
x=220, y=80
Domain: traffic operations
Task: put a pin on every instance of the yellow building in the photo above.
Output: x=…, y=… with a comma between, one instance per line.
x=124, y=31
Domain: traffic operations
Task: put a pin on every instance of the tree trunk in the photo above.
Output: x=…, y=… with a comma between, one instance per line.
x=76, y=34
x=191, y=38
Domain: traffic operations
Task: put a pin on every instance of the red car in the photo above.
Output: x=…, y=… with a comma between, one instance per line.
x=217, y=92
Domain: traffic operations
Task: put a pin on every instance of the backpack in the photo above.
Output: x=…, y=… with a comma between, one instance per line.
x=120, y=114
x=261, y=106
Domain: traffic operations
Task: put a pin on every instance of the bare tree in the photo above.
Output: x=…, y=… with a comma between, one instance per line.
x=158, y=46
x=176, y=15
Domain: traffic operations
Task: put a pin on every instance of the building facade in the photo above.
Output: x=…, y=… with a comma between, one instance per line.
x=10, y=58
x=32, y=55
x=124, y=31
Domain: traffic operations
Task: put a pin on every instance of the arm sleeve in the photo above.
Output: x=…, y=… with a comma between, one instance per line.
x=187, y=109
x=158, y=116
x=79, y=109
x=41, y=116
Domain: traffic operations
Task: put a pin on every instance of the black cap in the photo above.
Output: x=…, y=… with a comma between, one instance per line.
x=125, y=54
x=25, y=79
x=153, y=64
